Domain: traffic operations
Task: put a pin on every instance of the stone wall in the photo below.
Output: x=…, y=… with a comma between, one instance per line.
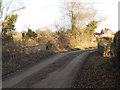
x=33, y=49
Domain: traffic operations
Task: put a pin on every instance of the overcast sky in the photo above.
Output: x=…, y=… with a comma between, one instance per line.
x=44, y=13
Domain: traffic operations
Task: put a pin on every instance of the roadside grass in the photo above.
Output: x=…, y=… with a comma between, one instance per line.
x=24, y=61
x=83, y=47
x=97, y=72
x=86, y=46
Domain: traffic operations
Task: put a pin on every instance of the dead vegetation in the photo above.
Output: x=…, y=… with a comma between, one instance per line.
x=97, y=72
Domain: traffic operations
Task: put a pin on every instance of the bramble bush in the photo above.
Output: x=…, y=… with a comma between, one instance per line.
x=116, y=50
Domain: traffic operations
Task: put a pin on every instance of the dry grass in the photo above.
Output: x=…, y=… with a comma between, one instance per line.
x=23, y=61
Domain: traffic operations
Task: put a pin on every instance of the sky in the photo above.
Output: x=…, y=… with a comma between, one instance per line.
x=45, y=13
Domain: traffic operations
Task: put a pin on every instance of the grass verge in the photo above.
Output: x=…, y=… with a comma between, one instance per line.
x=86, y=46
x=17, y=64
x=97, y=72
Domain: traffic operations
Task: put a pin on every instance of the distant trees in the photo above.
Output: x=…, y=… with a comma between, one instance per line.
x=80, y=31
x=63, y=38
x=77, y=15
x=80, y=20
x=29, y=34
x=91, y=27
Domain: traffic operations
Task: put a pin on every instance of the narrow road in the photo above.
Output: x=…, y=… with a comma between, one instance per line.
x=55, y=72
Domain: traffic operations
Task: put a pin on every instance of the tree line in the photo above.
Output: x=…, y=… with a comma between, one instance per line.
x=80, y=31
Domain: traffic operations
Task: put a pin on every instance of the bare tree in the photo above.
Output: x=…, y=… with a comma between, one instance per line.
x=9, y=7
x=0, y=5
x=76, y=14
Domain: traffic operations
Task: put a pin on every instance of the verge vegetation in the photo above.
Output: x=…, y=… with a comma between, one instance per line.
x=97, y=72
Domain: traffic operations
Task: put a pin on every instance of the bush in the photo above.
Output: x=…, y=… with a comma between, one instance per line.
x=101, y=48
x=116, y=47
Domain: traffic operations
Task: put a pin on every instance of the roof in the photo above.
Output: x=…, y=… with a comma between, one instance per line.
x=103, y=31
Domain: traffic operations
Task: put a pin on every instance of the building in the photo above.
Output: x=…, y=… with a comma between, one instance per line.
x=106, y=33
